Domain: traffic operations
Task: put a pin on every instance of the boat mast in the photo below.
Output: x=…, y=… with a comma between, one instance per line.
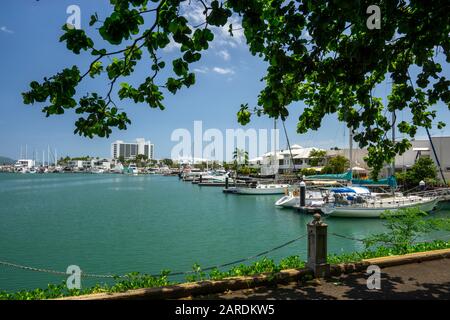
x=350, y=152
x=436, y=156
x=393, y=141
x=288, y=145
x=275, y=146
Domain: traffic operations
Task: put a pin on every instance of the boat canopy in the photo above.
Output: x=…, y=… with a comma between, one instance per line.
x=340, y=176
x=347, y=176
x=391, y=182
x=358, y=190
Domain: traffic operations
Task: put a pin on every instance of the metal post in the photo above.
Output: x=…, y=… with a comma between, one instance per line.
x=393, y=141
x=226, y=183
x=350, y=151
x=201, y=179
x=302, y=194
x=317, y=247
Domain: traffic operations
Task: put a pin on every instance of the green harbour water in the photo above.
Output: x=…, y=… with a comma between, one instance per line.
x=116, y=224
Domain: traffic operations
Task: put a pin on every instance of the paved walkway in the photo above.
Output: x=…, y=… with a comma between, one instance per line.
x=426, y=280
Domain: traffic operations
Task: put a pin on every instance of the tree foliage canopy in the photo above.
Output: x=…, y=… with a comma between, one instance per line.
x=316, y=157
x=336, y=164
x=318, y=52
x=423, y=169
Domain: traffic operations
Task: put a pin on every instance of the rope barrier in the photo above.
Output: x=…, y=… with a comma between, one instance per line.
x=89, y=275
x=346, y=237
x=362, y=240
x=86, y=275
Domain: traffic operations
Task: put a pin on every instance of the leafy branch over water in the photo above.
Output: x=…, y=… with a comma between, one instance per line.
x=320, y=53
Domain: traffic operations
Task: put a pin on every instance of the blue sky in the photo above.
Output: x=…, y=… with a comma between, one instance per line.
x=227, y=76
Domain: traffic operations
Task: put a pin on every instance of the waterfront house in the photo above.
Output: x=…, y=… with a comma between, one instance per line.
x=283, y=161
x=423, y=148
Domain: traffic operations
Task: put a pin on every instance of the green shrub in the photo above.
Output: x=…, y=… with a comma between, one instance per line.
x=404, y=227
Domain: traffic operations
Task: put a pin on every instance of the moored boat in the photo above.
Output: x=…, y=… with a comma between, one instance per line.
x=263, y=189
x=131, y=169
x=292, y=199
x=319, y=197
x=373, y=208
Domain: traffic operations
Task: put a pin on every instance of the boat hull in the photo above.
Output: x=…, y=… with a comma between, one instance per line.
x=288, y=202
x=262, y=191
x=313, y=198
x=367, y=212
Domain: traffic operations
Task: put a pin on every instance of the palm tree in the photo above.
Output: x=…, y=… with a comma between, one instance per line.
x=240, y=156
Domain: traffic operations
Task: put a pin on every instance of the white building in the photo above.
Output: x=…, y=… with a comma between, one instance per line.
x=423, y=148
x=80, y=165
x=129, y=150
x=104, y=164
x=298, y=158
x=283, y=161
x=24, y=164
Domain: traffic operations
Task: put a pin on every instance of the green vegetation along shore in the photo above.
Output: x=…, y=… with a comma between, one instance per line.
x=265, y=265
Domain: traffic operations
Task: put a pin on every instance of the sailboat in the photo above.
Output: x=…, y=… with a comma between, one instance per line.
x=319, y=197
x=374, y=207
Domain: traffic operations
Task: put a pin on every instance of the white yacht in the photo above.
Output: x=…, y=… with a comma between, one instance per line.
x=373, y=207
x=292, y=199
x=131, y=169
x=319, y=197
x=263, y=189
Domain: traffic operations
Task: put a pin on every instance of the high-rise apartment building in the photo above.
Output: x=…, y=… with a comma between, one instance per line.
x=129, y=150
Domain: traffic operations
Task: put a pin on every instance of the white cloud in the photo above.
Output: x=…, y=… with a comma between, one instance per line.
x=224, y=54
x=223, y=70
x=219, y=70
x=194, y=13
x=5, y=29
x=224, y=37
x=201, y=70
